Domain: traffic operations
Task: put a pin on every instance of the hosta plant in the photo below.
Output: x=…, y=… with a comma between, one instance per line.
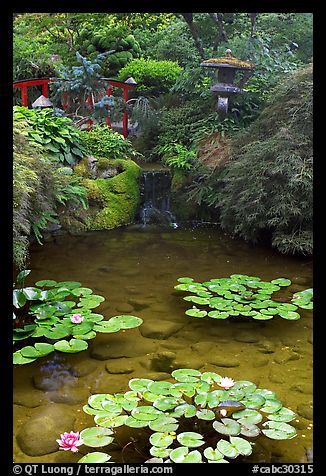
x=53, y=312
x=196, y=417
x=242, y=295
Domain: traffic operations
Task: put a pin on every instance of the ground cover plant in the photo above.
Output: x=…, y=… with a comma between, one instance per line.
x=197, y=417
x=53, y=310
x=242, y=295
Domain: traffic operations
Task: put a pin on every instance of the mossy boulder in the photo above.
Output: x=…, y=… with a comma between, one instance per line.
x=112, y=191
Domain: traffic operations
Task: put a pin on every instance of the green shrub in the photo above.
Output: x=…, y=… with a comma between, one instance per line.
x=102, y=141
x=152, y=77
x=59, y=138
x=268, y=188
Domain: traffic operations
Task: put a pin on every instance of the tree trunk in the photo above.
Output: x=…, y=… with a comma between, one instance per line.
x=188, y=18
x=253, y=19
x=221, y=35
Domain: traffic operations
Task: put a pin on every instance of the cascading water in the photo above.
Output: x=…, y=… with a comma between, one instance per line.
x=155, y=198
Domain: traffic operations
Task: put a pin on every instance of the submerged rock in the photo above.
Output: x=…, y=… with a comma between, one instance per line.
x=305, y=410
x=159, y=329
x=224, y=360
x=38, y=435
x=163, y=361
x=119, y=366
x=28, y=397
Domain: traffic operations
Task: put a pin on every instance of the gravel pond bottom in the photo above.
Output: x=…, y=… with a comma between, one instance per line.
x=136, y=271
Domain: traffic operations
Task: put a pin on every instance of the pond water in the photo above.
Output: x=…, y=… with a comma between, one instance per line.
x=136, y=269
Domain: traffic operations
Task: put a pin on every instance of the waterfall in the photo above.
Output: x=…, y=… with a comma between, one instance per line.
x=155, y=190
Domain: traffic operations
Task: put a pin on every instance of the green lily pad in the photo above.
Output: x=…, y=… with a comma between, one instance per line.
x=185, y=409
x=248, y=417
x=95, y=457
x=218, y=315
x=95, y=401
x=163, y=388
x=18, y=359
x=186, y=375
x=146, y=413
x=81, y=291
x=166, y=403
x=107, y=326
x=67, y=284
x=284, y=414
x=213, y=455
x=126, y=321
x=242, y=446
x=134, y=423
x=87, y=336
x=183, y=455
x=110, y=421
x=277, y=430
x=290, y=315
x=185, y=388
x=250, y=431
x=164, y=424
x=95, y=436
x=205, y=414
x=197, y=299
x=58, y=332
x=271, y=406
x=90, y=301
x=227, y=427
x=281, y=281
x=160, y=452
x=46, y=283
x=194, y=312
x=139, y=384
x=190, y=439
x=74, y=345
x=185, y=280
x=253, y=401
x=227, y=449
x=210, y=377
x=161, y=439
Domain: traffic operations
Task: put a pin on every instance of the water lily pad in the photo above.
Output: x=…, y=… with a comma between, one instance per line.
x=46, y=283
x=271, y=406
x=185, y=409
x=18, y=359
x=81, y=291
x=190, y=439
x=284, y=415
x=227, y=427
x=107, y=326
x=90, y=301
x=248, y=417
x=253, y=401
x=95, y=457
x=126, y=321
x=164, y=424
x=242, y=446
x=227, y=449
x=58, y=332
x=95, y=401
x=281, y=281
x=68, y=284
x=210, y=377
x=95, y=436
x=218, y=315
x=215, y=397
x=185, y=388
x=161, y=439
x=185, y=280
x=163, y=388
x=183, y=455
x=134, y=423
x=205, y=414
x=290, y=315
x=278, y=430
x=166, y=403
x=74, y=345
x=186, y=375
x=139, y=384
x=197, y=299
x=146, y=413
x=245, y=385
x=250, y=431
x=159, y=452
x=194, y=312
x=87, y=336
x=213, y=455
x=110, y=421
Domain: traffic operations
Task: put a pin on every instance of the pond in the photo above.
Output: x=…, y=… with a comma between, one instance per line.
x=136, y=269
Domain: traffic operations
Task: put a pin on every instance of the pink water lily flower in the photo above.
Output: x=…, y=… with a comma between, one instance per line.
x=70, y=441
x=226, y=383
x=76, y=318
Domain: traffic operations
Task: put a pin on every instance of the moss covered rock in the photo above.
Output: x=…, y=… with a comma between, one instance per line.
x=113, y=200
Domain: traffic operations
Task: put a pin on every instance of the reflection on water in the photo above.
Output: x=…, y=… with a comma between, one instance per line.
x=136, y=272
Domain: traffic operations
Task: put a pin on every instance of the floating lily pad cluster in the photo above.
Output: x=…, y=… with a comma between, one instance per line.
x=51, y=306
x=242, y=295
x=193, y=419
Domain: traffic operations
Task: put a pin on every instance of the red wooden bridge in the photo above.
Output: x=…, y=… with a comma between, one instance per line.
x=110, y=85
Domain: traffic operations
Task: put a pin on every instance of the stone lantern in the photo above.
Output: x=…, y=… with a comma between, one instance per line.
x=227, y=67
x=42, y=102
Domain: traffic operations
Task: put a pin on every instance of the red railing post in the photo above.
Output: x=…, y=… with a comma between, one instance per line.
x=24, y=96
x=108, y=119
x=125, y=115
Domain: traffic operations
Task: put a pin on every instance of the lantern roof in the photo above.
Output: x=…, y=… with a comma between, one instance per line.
x=42, y=101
